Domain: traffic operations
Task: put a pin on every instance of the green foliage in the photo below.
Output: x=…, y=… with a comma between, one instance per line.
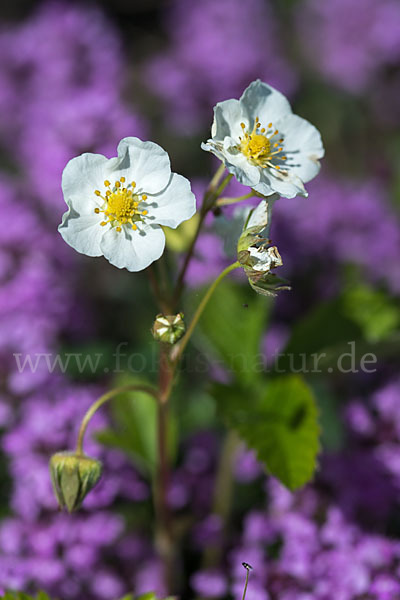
x=134, y=428
x=332, y=426
x=13, y=595
x=374, y=312
x=278, y=419
x=232, y=326
x=327, y=326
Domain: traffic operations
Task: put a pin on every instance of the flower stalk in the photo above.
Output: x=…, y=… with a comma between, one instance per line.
x=214, y=190
x=248, y=569
x=102, y=400
x=179, y=348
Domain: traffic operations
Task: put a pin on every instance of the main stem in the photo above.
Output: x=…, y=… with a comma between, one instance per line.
x=168, y=364
x=164, y=532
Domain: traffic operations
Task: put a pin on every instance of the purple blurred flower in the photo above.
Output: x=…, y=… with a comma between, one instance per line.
x=247, y=467
x=64, y=88
x=217, y=49
x=60, y=94
x=340, y=222
x=350, y=42
x=210, y=584
x=311, y=556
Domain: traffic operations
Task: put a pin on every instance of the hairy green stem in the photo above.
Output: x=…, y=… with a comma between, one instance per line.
x=102, y=400
x=180, y=347
x=158, y=294
x=211, y=195
x=217, y=177
x=225, y=201
x=222, y=186
x=164, y=532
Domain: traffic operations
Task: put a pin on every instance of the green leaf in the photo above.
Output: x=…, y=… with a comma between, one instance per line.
x=231, y=327
x=278, y=420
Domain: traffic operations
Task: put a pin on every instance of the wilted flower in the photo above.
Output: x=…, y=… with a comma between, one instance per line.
x=263, y=144
x=257, y=255
x=73, y=476
x=117, y=205
x=169, y=328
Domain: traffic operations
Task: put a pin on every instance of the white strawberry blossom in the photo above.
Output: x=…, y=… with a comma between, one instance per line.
x=263, y=144
x=116, y=206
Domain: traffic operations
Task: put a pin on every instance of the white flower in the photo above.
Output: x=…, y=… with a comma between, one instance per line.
x=254, y=249
x=263, y=144
x=264, y=259
x=116, y=206
x=256, y=254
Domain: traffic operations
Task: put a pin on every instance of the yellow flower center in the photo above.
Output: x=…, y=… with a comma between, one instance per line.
x=261, y=146
x=121, y=204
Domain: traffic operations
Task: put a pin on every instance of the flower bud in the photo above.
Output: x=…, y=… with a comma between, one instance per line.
x=73, y=476
x=168, y=329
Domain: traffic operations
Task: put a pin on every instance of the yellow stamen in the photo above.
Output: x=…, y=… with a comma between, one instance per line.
x=258, y=147
x=121, y=206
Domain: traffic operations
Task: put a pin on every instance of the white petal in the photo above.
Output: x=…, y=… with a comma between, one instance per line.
x=287, y=186
x=302, y=146
x=175, y=204
x=145, y=163
x=227, y=119
x=260, y=217
x=265, y=102
x=82, y=232
x=210, y=146
x=133, y=250
x=81, y=177
x=265, y=259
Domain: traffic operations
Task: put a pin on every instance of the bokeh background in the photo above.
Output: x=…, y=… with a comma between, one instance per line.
x=78, y=77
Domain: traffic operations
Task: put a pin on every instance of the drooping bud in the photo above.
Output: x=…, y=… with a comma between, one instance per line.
x=168, y=329
x=73, y=476
x=256, y=254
